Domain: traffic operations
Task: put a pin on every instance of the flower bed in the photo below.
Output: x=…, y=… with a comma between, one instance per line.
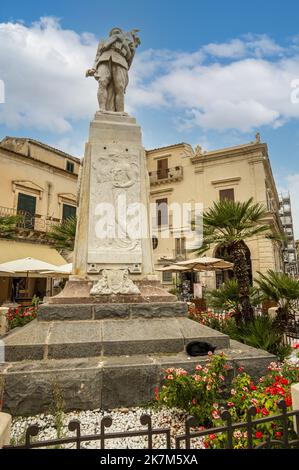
x=217, y=321
x=203, y=394
x=20, y=316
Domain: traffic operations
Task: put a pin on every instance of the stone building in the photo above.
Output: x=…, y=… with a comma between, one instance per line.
x=289, y=252
x=39, y=182
x=179, y=174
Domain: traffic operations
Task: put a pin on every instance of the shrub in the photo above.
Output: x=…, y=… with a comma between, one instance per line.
x=203, y=393
x=184, y=391
x=264, y=396
x=261, y=332
x=20, y=316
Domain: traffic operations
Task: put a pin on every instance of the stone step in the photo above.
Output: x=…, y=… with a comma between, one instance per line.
x=105, y=382
x=53, y=312
x=92, y=338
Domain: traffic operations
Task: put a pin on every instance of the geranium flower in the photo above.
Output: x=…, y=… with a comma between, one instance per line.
x=288, y=401
x=212, y=436
x=259, y=435
x=215, y=414
x=265, y=412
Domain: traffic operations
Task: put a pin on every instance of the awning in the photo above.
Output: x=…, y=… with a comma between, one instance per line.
x=11, y=250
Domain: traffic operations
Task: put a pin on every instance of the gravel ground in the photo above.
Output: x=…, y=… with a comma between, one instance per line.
x=123, y=419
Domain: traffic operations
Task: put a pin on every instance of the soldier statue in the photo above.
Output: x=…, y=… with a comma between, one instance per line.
x=113, y=60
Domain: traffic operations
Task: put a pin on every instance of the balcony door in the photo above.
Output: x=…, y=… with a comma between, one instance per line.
x=27, y=207
x=162, y=167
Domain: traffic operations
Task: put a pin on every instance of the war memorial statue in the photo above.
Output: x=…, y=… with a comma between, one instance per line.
x=113, y=60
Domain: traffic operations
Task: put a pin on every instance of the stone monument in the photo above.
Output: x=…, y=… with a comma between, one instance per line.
x=106, y=338
x=113, y=249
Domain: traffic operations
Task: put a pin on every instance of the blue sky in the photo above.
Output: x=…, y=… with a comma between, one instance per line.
x=207, y=72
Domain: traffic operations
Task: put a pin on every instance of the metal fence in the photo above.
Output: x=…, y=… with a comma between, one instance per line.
x=192, y=435
x=291, y=334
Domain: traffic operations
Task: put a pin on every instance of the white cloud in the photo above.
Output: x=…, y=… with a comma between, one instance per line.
x=250, y=45
x=43, y=69
x=43, y=66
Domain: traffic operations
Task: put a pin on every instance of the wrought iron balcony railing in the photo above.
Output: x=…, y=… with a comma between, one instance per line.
x=166, y=175
x=29, y=222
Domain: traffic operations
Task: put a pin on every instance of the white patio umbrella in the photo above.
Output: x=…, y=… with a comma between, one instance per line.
x=7, y=271
x=27, y=265
x=173, y=268
x=206, y=263
x=63, y=269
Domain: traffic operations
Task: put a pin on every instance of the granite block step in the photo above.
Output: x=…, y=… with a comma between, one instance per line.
x=106, y=382
x=92, y=338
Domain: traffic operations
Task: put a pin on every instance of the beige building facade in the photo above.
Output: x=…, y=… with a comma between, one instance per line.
x=179, y=174
x=40, y=183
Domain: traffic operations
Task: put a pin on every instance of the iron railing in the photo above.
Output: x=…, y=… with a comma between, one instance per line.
x=27, y=221
x=190, y=438
x=167, y=174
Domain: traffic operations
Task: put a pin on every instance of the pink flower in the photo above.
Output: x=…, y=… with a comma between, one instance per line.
x=198, y=367
x=210, y=353
x=209, y=387
x=230, y=404
x=170, y=377
x=197, y=378
x=233, y=391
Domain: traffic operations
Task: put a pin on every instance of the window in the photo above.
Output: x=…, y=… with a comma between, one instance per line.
x=167, y=277
x=68, y=211
x=70, y=166
x=180, y=246
x=155, y=242
x=226, y=194
x=162, y=212
x=27, y=206
x=162, y=168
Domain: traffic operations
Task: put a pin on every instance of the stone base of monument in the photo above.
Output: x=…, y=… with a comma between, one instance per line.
x=105, y=356
x=78, y=292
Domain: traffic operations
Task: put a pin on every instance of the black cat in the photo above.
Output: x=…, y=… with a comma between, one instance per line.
x=199, y=348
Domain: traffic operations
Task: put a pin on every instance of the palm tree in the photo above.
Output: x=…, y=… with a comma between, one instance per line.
x=227, y=297
x=63, y=234
x=283, y=290
x=8, y=225
x=228, y=224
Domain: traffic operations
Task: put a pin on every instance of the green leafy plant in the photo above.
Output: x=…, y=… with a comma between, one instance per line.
x=264, y=396
x=228, y=224
x=227, y=297
x=262, y=333
x=282, y=289
x=202, y=395
x=8, y=225
x=189, y=392
x=63, y=235
x=20, y=316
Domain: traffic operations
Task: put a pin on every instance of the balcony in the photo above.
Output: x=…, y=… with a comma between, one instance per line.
x=166, y=175
x=30, y=226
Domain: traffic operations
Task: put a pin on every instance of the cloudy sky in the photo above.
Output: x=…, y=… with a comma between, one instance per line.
x=208, y=72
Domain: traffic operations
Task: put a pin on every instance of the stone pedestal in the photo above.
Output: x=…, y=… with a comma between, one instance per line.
x=113, y=251
x=114, y=174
